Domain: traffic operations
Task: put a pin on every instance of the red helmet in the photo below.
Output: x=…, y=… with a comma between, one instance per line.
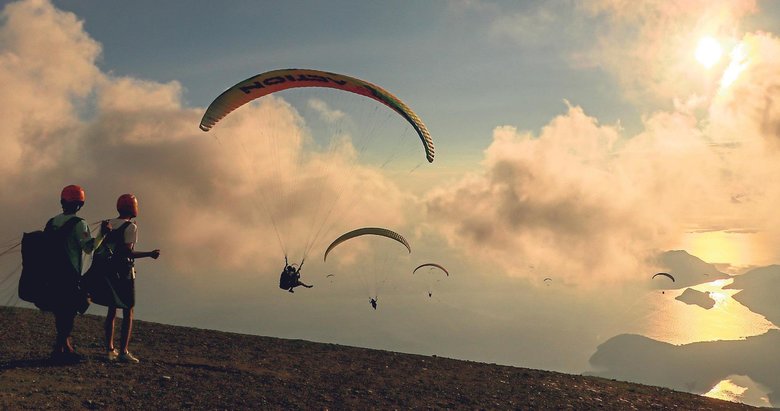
x=72, y=194
x=127, y=204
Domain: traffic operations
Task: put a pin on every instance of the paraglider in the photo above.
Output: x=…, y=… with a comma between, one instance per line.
x=373, y=278
x=430, y=277
x=665, y=275
x=367, y=231
x=431, y=265
x=291, y=277
x=547, y=280
x=278, y=80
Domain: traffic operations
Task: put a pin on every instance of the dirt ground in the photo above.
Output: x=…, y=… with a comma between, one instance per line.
x=188, y=368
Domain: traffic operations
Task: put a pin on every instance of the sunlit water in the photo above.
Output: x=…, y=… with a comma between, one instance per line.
x=660, y=316
x=738, y=388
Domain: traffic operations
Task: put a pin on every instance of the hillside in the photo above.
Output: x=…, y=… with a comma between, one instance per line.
x=201, y=369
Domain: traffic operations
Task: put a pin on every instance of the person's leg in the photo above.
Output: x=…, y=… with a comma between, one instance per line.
x=109, y=328
x=60, y=325
x=63, y=321
x=127, y=328
x=63, y=350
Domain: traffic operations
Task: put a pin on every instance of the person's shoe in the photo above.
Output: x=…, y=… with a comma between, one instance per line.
x=128, y=358
x=112, y=355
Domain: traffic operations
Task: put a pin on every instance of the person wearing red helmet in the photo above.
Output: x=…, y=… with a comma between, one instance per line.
x=68, y=299
x=122, y=246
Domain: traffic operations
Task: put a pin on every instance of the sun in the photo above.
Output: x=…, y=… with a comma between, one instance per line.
x=708, y=52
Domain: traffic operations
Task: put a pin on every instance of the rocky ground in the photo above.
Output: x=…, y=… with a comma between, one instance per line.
x=188, y=368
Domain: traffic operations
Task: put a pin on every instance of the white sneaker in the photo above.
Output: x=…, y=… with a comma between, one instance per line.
x=127, y=357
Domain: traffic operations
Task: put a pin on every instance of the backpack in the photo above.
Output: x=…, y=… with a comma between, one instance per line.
x=46, y=268
x=109, y=258
x=107, y=269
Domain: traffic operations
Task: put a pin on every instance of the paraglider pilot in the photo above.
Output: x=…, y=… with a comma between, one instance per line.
x=372, y=301
x=291, y=277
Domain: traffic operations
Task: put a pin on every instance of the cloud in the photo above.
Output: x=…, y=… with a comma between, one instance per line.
x=553, y=201
x=326, y=113
x=46, y=60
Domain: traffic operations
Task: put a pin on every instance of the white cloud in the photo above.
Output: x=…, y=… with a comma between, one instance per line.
x=326, y=113
x=46, y=60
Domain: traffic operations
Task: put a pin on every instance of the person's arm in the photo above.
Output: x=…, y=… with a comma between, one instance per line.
x=131, y=234
x=144, y=254
x=128, y=250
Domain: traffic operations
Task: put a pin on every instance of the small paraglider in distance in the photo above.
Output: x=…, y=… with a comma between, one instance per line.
x=291, y=277
x=377, y=231
x=447, y=273
x=665, y=275
x=547, y=281
x=383, y=232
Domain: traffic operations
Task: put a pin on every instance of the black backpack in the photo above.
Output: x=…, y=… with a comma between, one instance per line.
x=46, y=267
x=108, y=268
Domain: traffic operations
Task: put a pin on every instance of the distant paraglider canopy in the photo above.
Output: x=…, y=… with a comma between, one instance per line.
x=431, y=274
x=665, y=275
x=368, y=231
x=278, y=80
x=431, y=265
x=374, y=272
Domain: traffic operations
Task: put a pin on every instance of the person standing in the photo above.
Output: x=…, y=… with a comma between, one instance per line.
x=122, y=246
x=65, y=298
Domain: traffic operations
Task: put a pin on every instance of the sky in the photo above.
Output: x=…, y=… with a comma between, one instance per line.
x=575, y=140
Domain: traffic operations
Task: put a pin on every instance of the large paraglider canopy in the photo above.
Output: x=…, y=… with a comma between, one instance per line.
x=383, y=232
x=277, y=80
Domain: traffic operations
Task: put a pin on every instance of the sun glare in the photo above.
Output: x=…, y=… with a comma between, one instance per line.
x=737, y=66
x=708, y=52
